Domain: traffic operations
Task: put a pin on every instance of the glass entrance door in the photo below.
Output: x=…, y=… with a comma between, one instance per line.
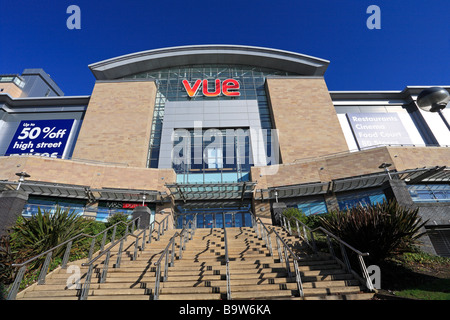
x=229, y=220
x=215, y=220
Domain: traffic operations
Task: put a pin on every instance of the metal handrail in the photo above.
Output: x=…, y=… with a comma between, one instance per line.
x=282, y=247
x=365, y=279
x=44, y=269
x=85, y=289
x=310, y=241
x=227, y=260
x=165, y=254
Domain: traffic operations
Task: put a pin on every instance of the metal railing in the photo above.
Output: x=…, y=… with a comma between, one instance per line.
x=285, y=253
x=91, y=263
x=68, y=243
x=344, y=261
x=227, y=259
x=190, y=228
x=49, y=253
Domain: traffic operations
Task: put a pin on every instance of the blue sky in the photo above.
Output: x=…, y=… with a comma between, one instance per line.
x=411, y=48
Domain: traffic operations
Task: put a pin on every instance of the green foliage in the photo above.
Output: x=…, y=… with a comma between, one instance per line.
x=290, y=213
x=30, y=237
x=312, y=221
x=115, y=218
x=45, y=230
x=424, y=258
x=379, y=229
x=80, y=248
x=6, y=260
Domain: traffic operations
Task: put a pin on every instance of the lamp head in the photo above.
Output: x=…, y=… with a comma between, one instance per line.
x=433, y=99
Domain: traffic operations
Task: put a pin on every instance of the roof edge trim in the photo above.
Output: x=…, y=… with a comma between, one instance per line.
x=142, y=61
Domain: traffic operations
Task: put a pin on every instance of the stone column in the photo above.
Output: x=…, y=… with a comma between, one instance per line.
x=144, y=213
x=12, y=203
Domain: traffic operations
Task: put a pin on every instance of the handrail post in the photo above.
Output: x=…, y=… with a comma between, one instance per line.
x=143, y=239
x=105, y=267
x=289, y=226
x=305, y=235
x=103, y=241
x=114, y=233
x=119, y=254
x=286, y=259
x=44, y=269
x=66, y=255
x=280, y=255
x=255, y=226
x=313, y=241
x=330, y=247
x=298, y=278
x=87, y=282
x=136, y=245
x=180, y=255
x=157, y=281
x=172, y=254
x=166, y=267
x=345, y=257
x=150, y=231
x=91, y=249
x=16, y=285
x=365, y=273
x=159, y=231
x=270, y=245
x=227, y=260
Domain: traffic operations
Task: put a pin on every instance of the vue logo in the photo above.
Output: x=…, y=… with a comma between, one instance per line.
x=228, y=87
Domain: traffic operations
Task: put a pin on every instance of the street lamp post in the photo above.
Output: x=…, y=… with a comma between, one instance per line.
x=385, y=166
x=22, y=175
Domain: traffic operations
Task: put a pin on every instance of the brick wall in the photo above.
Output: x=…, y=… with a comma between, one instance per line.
x=323, y=169
x=89, y=174
x=304, y=114
x=11, y=89
x=117, y=124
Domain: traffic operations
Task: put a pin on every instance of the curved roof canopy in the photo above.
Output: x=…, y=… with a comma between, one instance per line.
x=143, y=61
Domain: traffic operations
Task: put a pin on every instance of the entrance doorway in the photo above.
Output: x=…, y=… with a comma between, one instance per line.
x=216, y=218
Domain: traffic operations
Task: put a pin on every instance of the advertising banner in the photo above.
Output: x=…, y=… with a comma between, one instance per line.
x=46, y=138
x=372, y=129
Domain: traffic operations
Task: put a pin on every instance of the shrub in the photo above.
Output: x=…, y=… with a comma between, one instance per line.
x=45, y=230
x=290, y=213
x=379, y=229
x=115, y=218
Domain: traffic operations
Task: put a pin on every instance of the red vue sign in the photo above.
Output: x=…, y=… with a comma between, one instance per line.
x=228, y=87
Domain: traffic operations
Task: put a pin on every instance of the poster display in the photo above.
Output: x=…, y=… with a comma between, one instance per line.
x=46, y=138
x=373, y=129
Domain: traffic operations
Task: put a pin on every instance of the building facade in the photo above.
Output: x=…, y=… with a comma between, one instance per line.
x=222, y=129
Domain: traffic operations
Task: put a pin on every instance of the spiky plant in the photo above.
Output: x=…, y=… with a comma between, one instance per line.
x=379, y=229
x=46, y=230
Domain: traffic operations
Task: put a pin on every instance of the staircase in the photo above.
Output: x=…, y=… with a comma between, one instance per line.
x=201, y=273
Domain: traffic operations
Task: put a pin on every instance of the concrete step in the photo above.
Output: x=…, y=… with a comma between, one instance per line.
x=341, y=296
x=189, y=296
x=201, y=272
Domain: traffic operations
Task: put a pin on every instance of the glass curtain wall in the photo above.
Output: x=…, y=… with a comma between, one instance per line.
x=170, y=88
